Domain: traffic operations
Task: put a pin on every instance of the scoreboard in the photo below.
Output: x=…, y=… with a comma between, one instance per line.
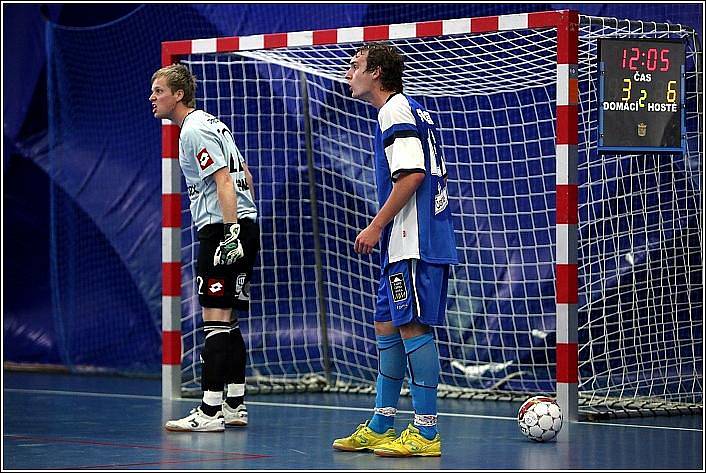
x=641, y=103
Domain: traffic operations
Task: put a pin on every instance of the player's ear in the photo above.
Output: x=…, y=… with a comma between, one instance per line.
x=179, y=95
x=377, y=72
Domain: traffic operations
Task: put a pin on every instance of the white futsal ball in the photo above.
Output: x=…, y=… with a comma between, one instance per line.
x=540, y=418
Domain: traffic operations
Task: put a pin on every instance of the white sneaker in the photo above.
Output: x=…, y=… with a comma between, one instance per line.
x=197, y=421
x=237, y=416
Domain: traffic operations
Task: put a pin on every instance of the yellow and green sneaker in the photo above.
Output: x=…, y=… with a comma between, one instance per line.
x=411, y=444
x=364, y=438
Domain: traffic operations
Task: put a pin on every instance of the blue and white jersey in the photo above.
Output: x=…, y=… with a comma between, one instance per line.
x=406, y=141
x=205, y=146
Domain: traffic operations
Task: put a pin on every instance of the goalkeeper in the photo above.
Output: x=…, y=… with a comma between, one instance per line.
x=223, y=209
x=417, y=245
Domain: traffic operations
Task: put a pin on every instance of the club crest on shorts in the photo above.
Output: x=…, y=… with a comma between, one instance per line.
x=242, y=288
x=239, y=282
x=398, y=287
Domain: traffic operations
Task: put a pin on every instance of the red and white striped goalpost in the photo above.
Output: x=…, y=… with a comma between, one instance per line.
x=566, y=22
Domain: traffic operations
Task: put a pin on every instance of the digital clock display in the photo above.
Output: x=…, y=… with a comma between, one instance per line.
x=641, y=95
x=653, y=59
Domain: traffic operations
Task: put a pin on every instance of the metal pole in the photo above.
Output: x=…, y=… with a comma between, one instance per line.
x=315, y=226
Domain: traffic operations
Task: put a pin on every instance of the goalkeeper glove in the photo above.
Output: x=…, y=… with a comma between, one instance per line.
x=229, y=249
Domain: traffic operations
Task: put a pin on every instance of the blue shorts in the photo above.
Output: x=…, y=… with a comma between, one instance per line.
x=412, y=290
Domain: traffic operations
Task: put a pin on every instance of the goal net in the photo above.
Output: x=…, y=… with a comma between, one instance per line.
x=493, y=93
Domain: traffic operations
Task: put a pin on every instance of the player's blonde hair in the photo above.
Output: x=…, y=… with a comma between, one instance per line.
x=179, y=77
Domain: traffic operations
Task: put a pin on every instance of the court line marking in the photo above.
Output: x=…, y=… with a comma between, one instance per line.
x=319, y=406
x=100, y=443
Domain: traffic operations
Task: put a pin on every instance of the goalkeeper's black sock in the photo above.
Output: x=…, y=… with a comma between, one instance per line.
x=211, y=403
x=215, y=360
x=236, y=374
x=234, y=401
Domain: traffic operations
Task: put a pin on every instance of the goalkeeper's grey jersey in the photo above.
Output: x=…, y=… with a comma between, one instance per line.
x=205, y=146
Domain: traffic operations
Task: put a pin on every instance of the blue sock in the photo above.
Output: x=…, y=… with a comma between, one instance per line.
x=391, y=366
x=423, y=363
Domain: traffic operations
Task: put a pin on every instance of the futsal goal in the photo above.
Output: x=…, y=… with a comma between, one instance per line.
x=580, y=271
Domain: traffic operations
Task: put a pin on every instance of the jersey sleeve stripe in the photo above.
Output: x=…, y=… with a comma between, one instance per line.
x=396, y=174
x=402, y=132
x=398, y=126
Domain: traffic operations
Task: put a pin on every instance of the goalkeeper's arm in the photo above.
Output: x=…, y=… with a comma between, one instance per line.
x=248, y=179
x=229, y=250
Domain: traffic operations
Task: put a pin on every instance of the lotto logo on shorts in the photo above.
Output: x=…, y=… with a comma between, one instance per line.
x=398, y=287
x=204, y=159
x=215, y=287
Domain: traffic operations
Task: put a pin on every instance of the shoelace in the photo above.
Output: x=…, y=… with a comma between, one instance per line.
x=403, y=438
x=359, y=431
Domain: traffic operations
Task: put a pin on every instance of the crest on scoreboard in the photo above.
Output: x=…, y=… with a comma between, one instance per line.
x=641, y=129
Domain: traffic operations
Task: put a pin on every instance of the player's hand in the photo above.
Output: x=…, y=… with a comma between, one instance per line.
x=367, y=239
x=229, y=249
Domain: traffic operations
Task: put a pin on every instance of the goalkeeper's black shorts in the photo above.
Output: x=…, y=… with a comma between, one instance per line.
x=226, y=286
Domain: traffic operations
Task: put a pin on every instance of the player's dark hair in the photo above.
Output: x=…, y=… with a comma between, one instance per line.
x=179, y=77
x=390, y=62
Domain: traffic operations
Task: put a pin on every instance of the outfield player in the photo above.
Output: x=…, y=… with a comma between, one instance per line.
x=417, y=244
x=223, y=209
